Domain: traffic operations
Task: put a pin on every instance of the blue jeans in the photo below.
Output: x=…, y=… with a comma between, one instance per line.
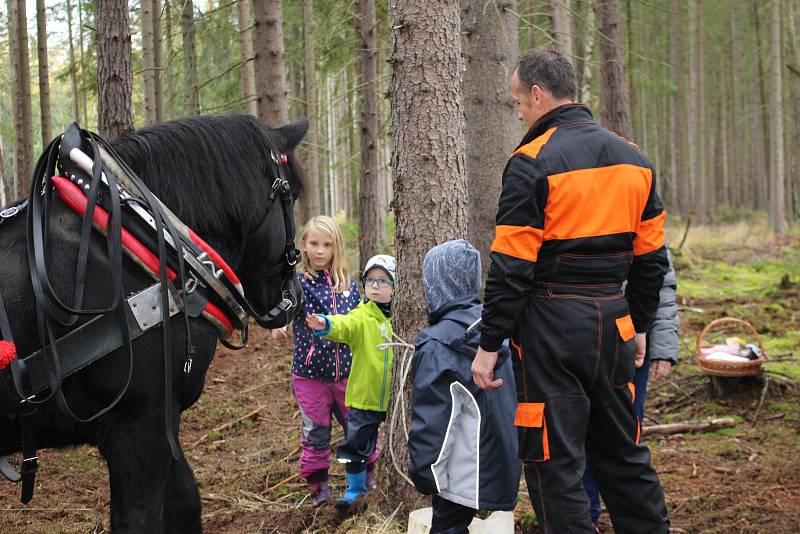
x=640, y=383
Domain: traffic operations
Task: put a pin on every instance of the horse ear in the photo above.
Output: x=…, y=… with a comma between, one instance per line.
x=293, y=132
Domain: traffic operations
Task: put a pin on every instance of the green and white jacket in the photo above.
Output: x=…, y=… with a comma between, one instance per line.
x=364, y=328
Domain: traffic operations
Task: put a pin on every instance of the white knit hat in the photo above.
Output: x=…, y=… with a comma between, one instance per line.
x=381, y=261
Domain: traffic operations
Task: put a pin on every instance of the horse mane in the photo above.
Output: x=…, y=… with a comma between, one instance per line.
x=211, y=170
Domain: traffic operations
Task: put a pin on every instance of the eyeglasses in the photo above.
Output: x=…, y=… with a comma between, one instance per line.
x=382, y=282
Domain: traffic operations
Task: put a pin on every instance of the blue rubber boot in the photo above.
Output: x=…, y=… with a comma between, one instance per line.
x=356, y=487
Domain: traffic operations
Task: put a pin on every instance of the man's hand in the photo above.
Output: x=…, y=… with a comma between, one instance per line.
x=315, y=322
x=483, y=370
x=659, y=369
x=641, y=349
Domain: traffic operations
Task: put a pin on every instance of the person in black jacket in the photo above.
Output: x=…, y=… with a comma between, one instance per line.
x=578, y=214
x=462, y=444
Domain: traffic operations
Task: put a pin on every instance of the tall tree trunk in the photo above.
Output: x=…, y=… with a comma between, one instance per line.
x=311, y=195
x=763, y=195
x=148, y=62
x=695, y=170
x=73, y=67
x=679, y=161
x=83, y=69
x=705, y=208
x=561, y=20
x=794, y=91
x=114, y=74
x=21, y=97
x=158, y=61
x=490, y=49
x=737, y=103
x=191, y=95
x=370, y=216
x=581, y=36
x=4, y=182
x=44, y=74
x=428, y=164
x=270, y=75
x=777, y=188
x=169, y=72
x=248, y=56
x=615, y=115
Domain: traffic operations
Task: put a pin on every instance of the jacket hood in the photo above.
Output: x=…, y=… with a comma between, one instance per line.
x=450, y=271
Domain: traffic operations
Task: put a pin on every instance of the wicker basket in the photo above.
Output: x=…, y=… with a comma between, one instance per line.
x=731, y=369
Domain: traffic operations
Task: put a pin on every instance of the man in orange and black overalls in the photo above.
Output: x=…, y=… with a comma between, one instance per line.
x=578, y=214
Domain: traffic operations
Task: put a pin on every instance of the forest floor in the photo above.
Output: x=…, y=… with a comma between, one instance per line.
x=242, y=436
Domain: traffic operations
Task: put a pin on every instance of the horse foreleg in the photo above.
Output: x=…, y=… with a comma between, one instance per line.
x=139, y=461
x=182, y=507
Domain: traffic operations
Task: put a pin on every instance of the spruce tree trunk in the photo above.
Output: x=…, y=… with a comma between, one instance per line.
x=270, y=75
x=158, y=62
x=248, y=56
x=370, y=219
x=4, y=182
x=44, y=73
x=311, y=194
x=492, y=131
x=428, y=163
x=777, y=188
x=84, y=69
x=114, y=74
x=737, y=138
x=73, y=75
x=679, y=162
x=695, y=171
x=615, y=115
x=561, y=21
x=191, y=96
x=762, y=172
x=148, y=62
x=21, y=98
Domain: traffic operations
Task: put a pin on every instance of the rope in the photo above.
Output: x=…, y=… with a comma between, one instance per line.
x=398, y=404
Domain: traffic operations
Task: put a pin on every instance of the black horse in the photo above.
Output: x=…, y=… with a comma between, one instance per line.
x=215, y=174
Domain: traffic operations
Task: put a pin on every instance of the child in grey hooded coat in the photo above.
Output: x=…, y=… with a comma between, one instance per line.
x=462, y=443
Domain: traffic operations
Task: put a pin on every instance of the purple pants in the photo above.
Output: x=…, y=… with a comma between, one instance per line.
x=318, y=401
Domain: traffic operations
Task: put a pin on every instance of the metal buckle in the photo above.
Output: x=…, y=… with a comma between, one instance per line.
x=26, y=466
x=187, y=367
x=9, y=212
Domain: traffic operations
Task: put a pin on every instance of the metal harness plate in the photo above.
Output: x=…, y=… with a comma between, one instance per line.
x=146, y=307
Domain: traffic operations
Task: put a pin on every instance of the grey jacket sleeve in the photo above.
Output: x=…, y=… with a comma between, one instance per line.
x=662, y=339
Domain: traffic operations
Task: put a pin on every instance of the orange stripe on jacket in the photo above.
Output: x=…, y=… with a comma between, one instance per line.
x=532, y=149
x=650, y=236
x=597, y=201
x=521, y=242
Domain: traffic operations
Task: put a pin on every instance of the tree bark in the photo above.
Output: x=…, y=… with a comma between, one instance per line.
x=762, y=170
x=777, y=188
x=73, y=67
x=191, y=96
x=44, y=73
x=158, y=61
x=492, y=131
x=114, y=74
x=695, y=170
x=737, y=165
x=4, y=182
x=270, y=75
x=83, y=69
x=21, y=97
x=679, y=162
x=615, y=115
x=148, y=62
x=248, y=56
x=370, y=216
x=428, y=163
x=561, y=21
x=311, y=195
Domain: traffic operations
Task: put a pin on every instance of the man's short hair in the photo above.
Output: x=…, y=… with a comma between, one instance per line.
x=550, y=70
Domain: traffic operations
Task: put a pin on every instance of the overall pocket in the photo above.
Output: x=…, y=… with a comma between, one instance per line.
x=625, y=358
x=532, y=432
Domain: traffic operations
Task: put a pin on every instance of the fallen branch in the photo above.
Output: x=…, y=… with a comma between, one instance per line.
x=226, y=426
x=689, y=426
x=282, y=482
x=685, y=232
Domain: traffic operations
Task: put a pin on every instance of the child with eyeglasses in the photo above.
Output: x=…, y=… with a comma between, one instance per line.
x=363, y=329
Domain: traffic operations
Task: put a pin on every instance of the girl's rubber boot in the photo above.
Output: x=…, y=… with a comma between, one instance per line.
x=356, y=487
x=320, y=494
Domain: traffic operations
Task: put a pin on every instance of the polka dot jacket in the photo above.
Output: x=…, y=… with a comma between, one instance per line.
x=315, y=357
